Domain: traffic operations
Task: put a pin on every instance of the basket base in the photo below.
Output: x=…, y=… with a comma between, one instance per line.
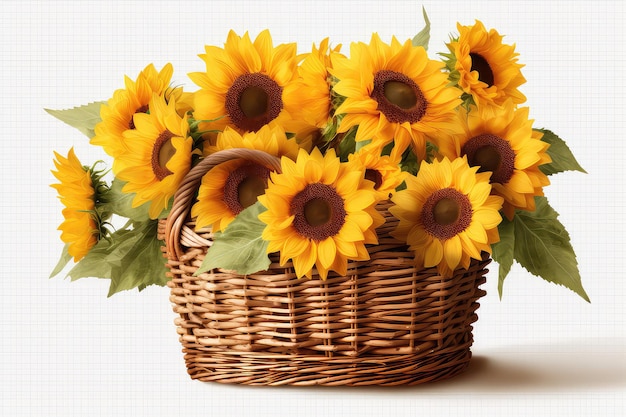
x=392, y=370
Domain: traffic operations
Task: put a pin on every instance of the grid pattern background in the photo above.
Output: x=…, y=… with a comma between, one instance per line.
x=68, y=350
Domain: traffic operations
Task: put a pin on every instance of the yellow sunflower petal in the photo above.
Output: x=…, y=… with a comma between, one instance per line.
x=453, y=251
x=433, y=254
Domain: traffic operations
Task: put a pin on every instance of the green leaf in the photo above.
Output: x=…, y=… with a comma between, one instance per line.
x=120, y=203
x=130, y=258
x=240, y=247
x=84, y=118
x=542, y=246
x=562, y=157
x=65, y=258
x=503, y=251
x=96, y=263
x=423, y=37
x=348, y=144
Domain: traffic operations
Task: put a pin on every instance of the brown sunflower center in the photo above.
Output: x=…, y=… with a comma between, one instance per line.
x=399, y=98
x=318, y=211
x=446, y=213
x=375, y=176
x=244, y=185
x=162, y=152
x=480, y=65
x=253, y=101
x=492, y=154
x=142, y=109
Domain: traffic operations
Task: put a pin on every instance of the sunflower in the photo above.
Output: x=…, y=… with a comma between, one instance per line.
x=393, y=93
x=447, y=215
x=320, y=212
x=501, y=140
x=243, y=83
x=383, y=171
x=118, y=113
x=78, y=193
x=312, y=92
x=483, y=67
x=230, y=187
x=160, y=158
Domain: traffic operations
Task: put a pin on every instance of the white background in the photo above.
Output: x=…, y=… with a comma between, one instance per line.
x=68, y=350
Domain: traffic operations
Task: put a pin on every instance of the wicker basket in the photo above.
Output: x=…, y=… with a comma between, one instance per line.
x=384, y=323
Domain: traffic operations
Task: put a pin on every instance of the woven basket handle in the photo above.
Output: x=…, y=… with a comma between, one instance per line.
x=184, y=197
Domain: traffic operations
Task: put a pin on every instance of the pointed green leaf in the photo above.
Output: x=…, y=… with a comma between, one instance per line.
x=120, y=203
x=141, y=260
x=542, y=246
x=240, y=247
x=423, y=37
x=84, y=118
x=97, y=263
x=64, y=260
x=502, y=251
x=348, y=145
x=562, y=157
x=129, y=258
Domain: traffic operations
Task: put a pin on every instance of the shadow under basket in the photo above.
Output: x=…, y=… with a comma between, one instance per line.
x=383, y=323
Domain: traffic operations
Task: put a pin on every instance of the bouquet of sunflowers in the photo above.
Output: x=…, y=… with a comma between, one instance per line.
x=445, y=143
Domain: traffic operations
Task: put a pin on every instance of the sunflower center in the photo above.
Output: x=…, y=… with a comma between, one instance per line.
x=249, y=189
x=492, y=154
x=446, y=213
x=244, y=185
x=253, y=100
x=375, y=176
x=400, y=94
x=318, y=211
x=162, y=152
x=480, y=65
x=142, y=109
x=399, y=98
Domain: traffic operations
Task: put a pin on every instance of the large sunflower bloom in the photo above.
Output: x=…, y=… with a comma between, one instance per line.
x=384, y=171
x=312, y=92
x=230, y=187
x=320, y=213
x=447, y=215
x=483, y=67
x=77, y=191
x=501, y=140
x=118, y=113
x=394, y=93
x=243, y=83
x=160, y=158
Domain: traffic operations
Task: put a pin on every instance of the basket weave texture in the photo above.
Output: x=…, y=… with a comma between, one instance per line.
x=383, y=323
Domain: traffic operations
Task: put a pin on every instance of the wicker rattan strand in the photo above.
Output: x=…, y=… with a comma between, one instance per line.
x=384, y=323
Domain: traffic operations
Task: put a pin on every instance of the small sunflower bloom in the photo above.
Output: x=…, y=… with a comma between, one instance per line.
x=384, y=171
x=320, y=213
x=160, y=158
x=312, y=92
x=77, y=191
x=483, y=67
x=447, y=215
